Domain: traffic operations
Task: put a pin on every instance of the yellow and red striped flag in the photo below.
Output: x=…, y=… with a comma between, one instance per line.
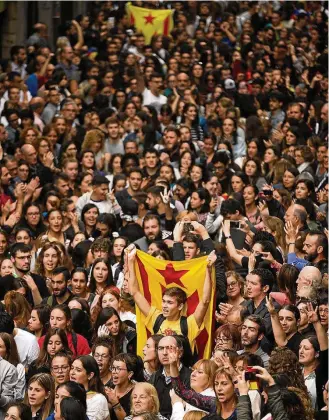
x=154, y=276
x=150, y=21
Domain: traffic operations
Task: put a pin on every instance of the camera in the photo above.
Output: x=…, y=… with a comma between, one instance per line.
x=235, y=224
x=188, y=227
x=250, y=374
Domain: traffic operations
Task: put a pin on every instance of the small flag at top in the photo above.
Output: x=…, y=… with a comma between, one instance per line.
x=150, y=21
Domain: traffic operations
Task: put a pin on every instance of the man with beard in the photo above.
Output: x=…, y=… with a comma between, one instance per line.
x=252, y=333
x=315, y=248
x=152, y=232
x=21, y=258
x=60, y=292
x=308, y=282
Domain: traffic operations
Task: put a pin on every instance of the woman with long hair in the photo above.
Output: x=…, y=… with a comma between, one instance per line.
x=32, y=219
x=79, y=285
x=89, y=215
x=40, y=395
x=253, y=169
x=55, y=341
x=191, y=119
x=100, y=276
x=8, y=351
x=18, y=307
x=94, y=141
x=151, y=359
x=85, y=371
x=275, y=226
x=111, y=298
x=271, y=157
x=61, y=317
x=286, y=278
x=38, y=323
x=54, y=232
x=250, y=196
x=230, y=133
x=87, y=161
x=108, y=324
x=199, y=203
x=49, y=258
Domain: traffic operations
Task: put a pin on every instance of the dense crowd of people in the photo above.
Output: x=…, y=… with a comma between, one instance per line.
x=211, y=140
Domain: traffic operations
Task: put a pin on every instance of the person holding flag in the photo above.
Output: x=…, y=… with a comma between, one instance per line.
x=170, y=320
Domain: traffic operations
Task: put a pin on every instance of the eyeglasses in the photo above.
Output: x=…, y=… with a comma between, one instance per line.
x=60, y=368
x=232, y=285
x=223, y=340
x=117, y=369
x=101, y=356
x=33, y=214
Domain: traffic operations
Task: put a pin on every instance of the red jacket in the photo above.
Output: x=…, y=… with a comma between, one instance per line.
x=82, y=346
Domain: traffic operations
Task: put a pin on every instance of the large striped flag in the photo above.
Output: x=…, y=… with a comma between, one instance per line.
x=155, y=275
x=150, y=21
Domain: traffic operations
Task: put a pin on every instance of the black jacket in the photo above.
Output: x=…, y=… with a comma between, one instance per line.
x=159, y=382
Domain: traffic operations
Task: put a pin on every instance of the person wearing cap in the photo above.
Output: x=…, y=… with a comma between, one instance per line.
x=99, y=196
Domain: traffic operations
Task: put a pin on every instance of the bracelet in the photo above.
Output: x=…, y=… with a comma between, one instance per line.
x=291, y=243
x=116, y=405
x=228, y=237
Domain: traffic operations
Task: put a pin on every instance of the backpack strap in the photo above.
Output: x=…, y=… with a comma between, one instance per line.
x=183, y=326
x=75, y=343
x=50, y=301
x=158, y=323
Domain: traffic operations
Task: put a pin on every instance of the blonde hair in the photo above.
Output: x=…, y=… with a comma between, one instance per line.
x=152, y=393
x=209, y=367
x=194, y=415
x=18, y=307
x=92, y=136
x=186, y=214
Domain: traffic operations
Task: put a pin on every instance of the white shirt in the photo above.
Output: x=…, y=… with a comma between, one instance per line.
x=27, y=346
x=97, y=407
x=156, y=101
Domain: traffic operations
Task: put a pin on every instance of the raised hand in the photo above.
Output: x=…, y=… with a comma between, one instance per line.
x=165, y=196
x=212, y=257
x=312, y=313
x=174, y=355
x=291, y=232
x=131, y=251
x=263, y=374
x=269, y=305
x=103, y=331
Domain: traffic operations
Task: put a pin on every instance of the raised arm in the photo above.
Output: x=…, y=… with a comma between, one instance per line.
x=229, y=243
x=280, y=336
x=139, y=299
x=319, y=330
x=203, y=305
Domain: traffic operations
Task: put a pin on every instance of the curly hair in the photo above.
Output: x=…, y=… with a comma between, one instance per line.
x=283, y=360
x=297, y=404
x=39, y=267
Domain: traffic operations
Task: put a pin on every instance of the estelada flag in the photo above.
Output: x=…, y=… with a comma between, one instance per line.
x=150, y=21
x=154, y=276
